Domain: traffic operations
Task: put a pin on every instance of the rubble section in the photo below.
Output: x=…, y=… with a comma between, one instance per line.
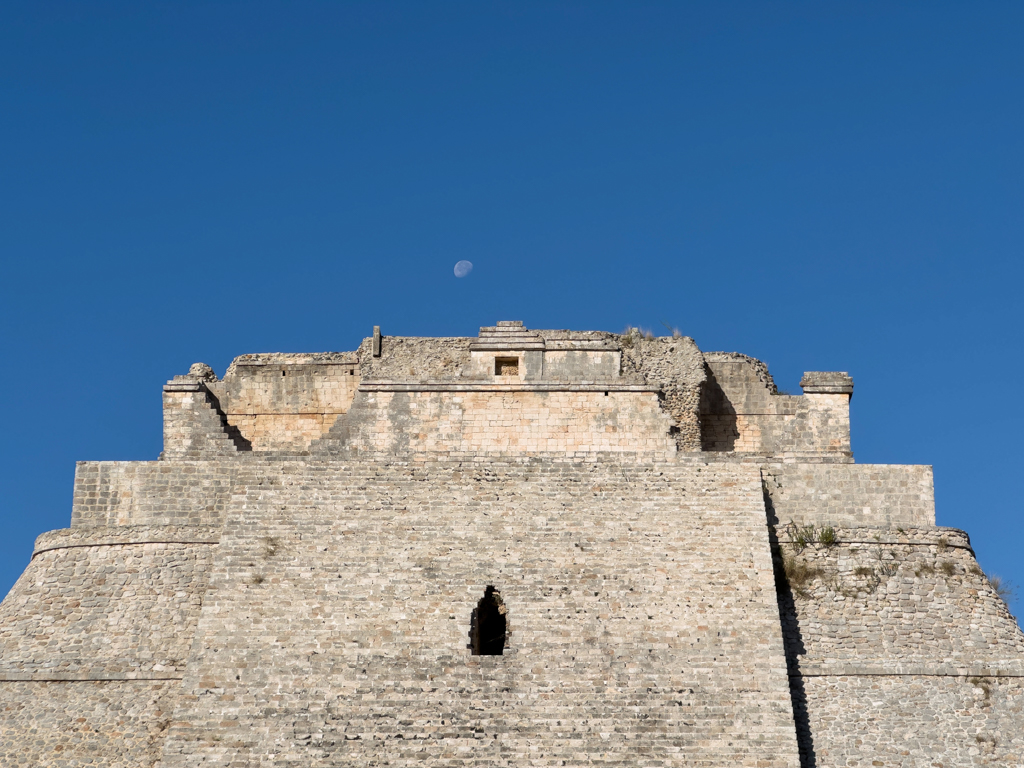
x=675, y=367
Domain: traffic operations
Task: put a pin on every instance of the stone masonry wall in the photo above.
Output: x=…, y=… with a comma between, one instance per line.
x=719, y=402
x=481, y=421
x=94, y=639
x=643, y=627
x=107, y=604
x=851, y=494
x=893, y=600
x=118, y=493
x=194, y=424
x=285, y=402
x=293, y=583
x=113, y=724
x=900, y=652
x=915, y=722
x=741, y=410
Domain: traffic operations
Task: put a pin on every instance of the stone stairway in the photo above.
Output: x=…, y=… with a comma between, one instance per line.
x=197, y=427
x=507, y=335
x=643, y=624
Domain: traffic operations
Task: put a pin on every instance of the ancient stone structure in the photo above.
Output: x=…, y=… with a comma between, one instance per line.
x=529, y=548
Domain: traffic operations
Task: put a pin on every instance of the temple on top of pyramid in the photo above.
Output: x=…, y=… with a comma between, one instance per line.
x=509, y=390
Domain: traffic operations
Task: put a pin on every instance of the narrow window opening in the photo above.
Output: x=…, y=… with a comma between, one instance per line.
x=284, y=373
x=489, y=627
x=506, y=366
x=606, y=394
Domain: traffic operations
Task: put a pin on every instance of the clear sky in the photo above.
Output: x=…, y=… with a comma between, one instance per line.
x=823, y=185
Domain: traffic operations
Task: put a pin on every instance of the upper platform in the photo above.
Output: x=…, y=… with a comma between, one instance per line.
x=510, y=390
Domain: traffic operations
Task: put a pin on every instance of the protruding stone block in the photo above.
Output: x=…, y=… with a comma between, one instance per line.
x=827, y=383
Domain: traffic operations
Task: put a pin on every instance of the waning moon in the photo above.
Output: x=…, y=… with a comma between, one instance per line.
x=463, y=268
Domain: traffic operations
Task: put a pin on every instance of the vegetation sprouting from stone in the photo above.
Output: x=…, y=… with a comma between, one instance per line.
x=806, y=535
x=1005, y=588
x=827, y=536
x=799, y=574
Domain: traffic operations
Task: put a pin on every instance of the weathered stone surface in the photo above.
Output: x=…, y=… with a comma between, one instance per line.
x=693, y=572
x=104, y=606
x=743, y=411
x=850, y=494
x=353, y=586
x=916, y=720
x=121, y=724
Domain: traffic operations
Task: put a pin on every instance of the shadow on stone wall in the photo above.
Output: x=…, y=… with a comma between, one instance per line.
x=792, y=641
x=241, y=443
x=718, y=428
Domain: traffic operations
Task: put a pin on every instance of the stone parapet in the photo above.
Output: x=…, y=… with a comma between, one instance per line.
x=827, y=383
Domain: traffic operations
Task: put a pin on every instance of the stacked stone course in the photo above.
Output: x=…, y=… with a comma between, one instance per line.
x=695, y=573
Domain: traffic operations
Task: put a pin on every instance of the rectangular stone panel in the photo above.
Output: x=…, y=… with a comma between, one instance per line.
x=852, y=494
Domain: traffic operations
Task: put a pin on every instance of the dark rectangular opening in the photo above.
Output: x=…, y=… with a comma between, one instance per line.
x=506, y=366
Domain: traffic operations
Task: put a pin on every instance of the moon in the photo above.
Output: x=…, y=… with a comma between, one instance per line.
x=463, y=268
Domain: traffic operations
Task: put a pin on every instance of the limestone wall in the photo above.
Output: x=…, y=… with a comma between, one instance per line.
x=285, y=402
x=582, y=365
x=915, y=722
x=106, y=604
x=114, y=724
x=392, y=419
x=717, y=402
x=741, y=410
x=119, y=493
x=891, y=600
x=293, y=583
x=899, y=649
x=643, y=627
x=94, y=640
x=194, y=424
x=851, y=494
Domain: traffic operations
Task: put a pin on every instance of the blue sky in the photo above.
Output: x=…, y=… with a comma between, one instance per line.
x=826, y=186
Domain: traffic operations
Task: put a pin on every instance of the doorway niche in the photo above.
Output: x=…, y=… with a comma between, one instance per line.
x=489, y=625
